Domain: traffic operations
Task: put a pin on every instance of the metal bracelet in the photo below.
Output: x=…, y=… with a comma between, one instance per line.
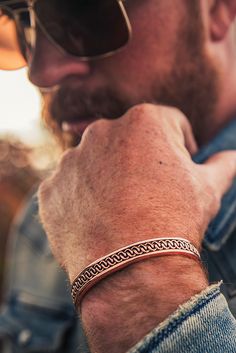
x=125, y=256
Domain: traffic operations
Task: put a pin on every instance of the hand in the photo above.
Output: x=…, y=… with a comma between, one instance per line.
x=131, y=179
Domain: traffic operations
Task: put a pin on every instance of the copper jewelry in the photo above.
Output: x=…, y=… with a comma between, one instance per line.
x=125, y=256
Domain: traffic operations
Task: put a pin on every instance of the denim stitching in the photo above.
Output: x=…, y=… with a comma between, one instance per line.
x=176, y=322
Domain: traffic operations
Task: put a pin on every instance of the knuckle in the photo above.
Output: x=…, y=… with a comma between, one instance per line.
x=141, y=119
x=98, y=126
x=96, y=130
x=179, y=115
x=175, y=118
x=161, y=115
x=155, y=120
x=140, y=112
x=174, y=115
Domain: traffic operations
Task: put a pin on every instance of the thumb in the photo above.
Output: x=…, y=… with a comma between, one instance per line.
x=221, y=171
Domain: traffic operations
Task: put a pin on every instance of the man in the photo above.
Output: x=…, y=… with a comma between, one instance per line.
x=132, y=179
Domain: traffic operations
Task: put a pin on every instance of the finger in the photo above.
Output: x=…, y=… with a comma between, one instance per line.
x=189, y=139
x=221, y=170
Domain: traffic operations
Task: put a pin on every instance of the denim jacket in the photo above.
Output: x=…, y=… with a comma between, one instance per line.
x=38, y=314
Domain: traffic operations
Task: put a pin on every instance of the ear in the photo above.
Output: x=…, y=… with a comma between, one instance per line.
x=222, y=15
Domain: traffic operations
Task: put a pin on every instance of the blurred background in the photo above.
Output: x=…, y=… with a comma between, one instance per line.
x=20, y=107
x=27, y=151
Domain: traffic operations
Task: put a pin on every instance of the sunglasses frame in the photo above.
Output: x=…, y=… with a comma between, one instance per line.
x=30, y=8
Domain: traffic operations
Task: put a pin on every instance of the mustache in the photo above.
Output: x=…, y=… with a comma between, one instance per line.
x=75, y=105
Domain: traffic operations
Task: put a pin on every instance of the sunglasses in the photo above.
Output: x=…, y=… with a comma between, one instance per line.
x=85, y=29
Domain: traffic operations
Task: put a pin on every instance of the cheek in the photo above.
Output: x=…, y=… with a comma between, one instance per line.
x=150, y=51
x=155, y=27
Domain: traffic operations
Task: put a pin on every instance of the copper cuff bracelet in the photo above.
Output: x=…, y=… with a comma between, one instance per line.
x=125, y=256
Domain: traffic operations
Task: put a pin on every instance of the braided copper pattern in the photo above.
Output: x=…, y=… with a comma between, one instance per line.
x=125, y=256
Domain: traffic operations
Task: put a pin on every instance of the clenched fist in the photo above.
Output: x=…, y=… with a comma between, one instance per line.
x=131, y=179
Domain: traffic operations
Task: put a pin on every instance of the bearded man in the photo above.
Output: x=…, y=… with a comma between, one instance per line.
x=112, y=74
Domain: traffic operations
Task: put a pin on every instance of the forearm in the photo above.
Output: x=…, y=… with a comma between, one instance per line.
x=124, y=307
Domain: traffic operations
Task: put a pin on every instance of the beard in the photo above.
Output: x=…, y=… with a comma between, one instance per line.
x=193, y=83
x=191, y=86
x=67, y=104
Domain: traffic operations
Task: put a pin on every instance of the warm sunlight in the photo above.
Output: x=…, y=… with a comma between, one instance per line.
x=20, y=106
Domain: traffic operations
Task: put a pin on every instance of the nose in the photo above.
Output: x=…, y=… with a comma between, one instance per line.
x=49, y=66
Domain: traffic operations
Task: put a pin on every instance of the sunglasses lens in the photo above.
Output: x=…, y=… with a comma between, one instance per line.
x=11, y=56
x=84, y=28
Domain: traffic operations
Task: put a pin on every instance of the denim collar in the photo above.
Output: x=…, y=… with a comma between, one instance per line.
x=224, y=223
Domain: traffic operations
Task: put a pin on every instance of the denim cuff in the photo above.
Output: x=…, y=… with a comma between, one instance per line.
x=203, y=324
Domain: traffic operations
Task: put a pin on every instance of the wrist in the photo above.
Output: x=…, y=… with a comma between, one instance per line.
x=123, y=257
x=145, y=292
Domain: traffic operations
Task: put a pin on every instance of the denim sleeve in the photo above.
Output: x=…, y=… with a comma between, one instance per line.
x=202, y=325
x=37, y=313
